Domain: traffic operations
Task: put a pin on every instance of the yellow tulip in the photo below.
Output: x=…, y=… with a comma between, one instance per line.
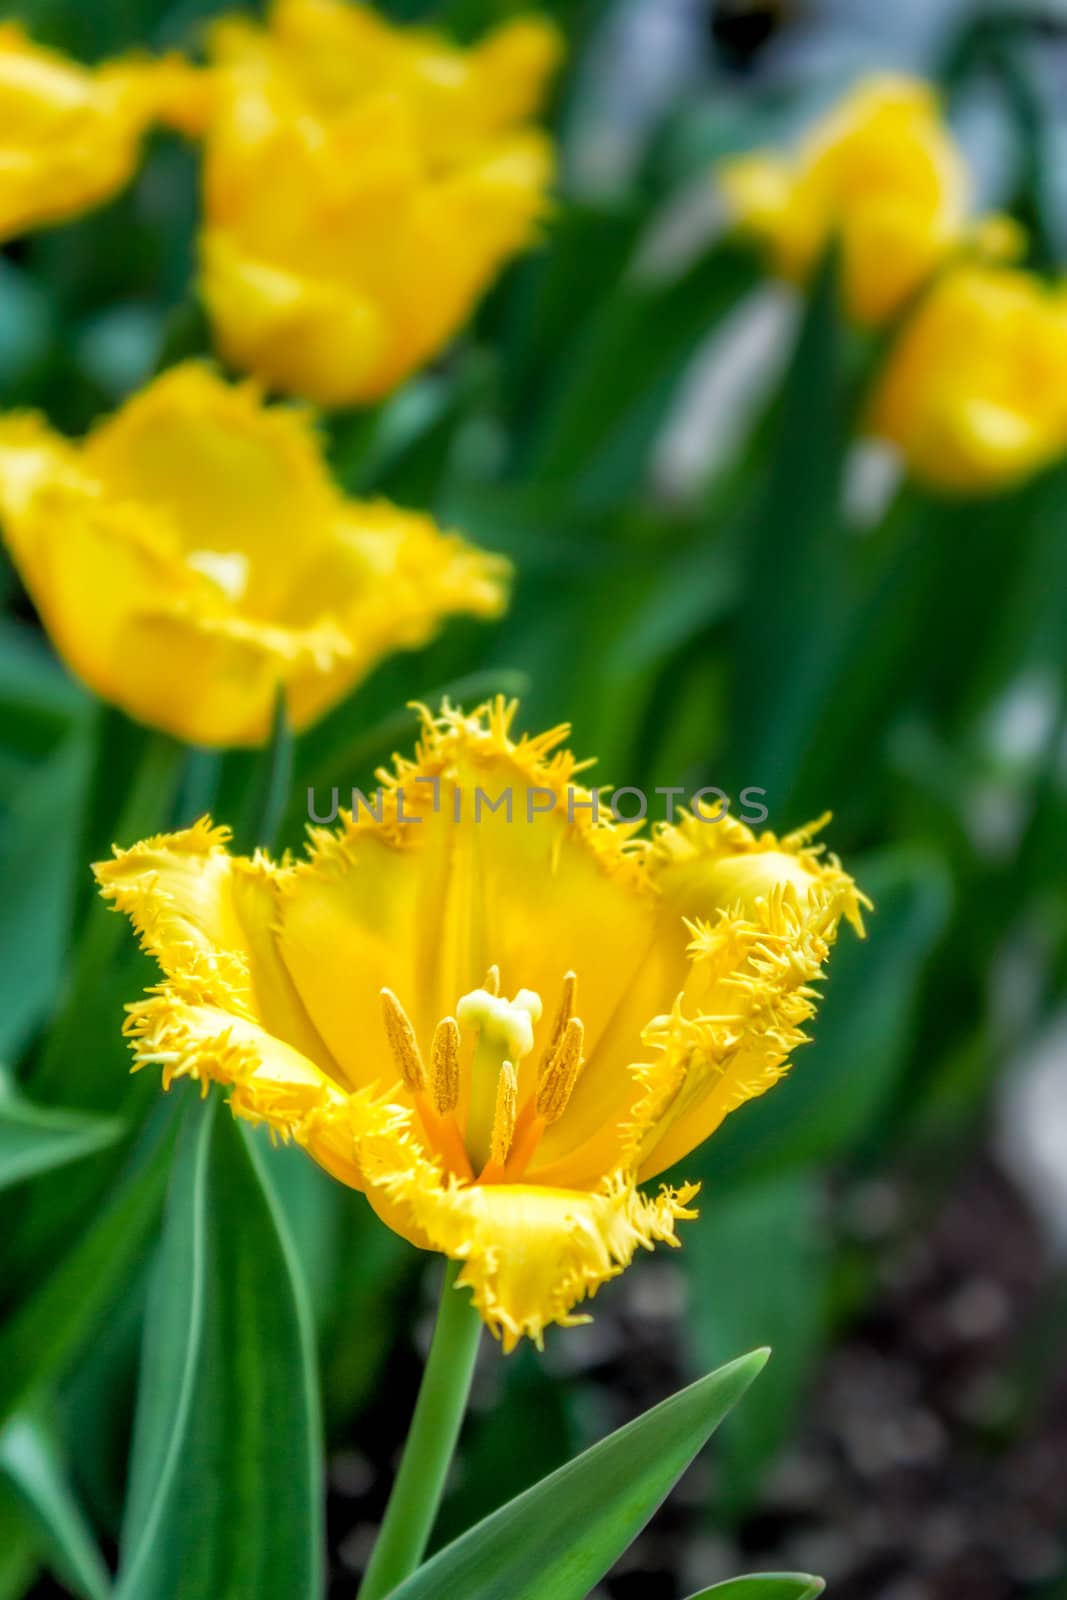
x=192, y=558
x=974, y=391
x=491, y=1010
x=70, y=136
x=881, y=175
x=363, y=186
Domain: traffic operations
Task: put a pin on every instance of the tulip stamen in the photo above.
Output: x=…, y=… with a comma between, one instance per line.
x=436, y=1114
x=564, y=1013
x=403, y=1043
x=561, y=1065
x=560, y=1076
x=444, y=1066
x=507, y=1098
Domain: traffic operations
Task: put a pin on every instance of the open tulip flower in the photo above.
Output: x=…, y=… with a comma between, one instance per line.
x=192, y=559
x=974, y=392
x=70, y=136
x=363, y=186
x=883, y=176
x=495, y=1016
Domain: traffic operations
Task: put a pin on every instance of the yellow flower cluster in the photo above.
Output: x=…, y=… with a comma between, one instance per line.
x=358, y=1001
x=363, y=186
x=192, y=558
x=973, y=389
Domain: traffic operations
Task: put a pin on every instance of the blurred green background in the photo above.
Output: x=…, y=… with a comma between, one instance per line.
x=718, y=582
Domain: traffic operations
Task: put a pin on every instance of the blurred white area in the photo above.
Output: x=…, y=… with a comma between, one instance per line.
x=728, y=383
x=874, y=472
x=847, y=36
x=646, y=53
x=1032, y=1130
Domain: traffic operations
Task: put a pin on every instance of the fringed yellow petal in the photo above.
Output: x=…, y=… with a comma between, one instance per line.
x=531, y=1254
x=355, y=1137
x=735, y=1025
x=199, y=910
x=703, y=866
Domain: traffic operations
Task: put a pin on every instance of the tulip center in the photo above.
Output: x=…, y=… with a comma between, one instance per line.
x=499, y=1136
x=227, y=569
x=504, y=1034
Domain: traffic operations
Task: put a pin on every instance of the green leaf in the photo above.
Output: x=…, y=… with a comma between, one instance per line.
x=18, y=1557
x=38, y=864
x=31, y=1463
x=35, y=1139
x=615, y=394
x=38, y=1341
x=268, y=787
x=224, y=1498
x=789, y=619
x=556, y=1541
x=26, y=326
x=39, y=701
x=758, y=1274
x=765, y=1586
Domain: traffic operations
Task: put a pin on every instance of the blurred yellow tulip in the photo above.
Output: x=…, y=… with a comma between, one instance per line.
x=881, y=175
x=974, y=392
x=70, y=136
x=363, y=186
x=192, y=558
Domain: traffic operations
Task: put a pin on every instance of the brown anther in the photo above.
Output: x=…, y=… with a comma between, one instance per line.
x=562, y=1017
x=444, y=1066
x=403, y=1043
x=561, y=1074
x=507, y=1101
x=492, y=980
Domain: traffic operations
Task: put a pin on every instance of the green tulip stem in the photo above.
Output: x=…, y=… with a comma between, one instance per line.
x=431, y=1442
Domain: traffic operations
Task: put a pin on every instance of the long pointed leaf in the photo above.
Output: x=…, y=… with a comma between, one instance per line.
x=31, y=1463
x=765, y=1586
x=35, y=1139
x=38, y=1341
x=225, y=1494
x=556, y=1541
